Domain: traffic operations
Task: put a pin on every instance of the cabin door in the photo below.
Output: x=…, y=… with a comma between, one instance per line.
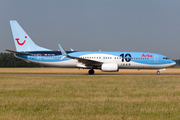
x=38, y=57
x=155, y=59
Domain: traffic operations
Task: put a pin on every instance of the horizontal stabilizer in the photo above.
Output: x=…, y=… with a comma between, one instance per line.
x=21, y=53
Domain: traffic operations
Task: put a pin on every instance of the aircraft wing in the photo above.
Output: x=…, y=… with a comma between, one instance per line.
x=21, y=53
x=86, y=62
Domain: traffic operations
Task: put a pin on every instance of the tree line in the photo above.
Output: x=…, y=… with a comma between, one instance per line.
x=9, y=60
x=177, y=63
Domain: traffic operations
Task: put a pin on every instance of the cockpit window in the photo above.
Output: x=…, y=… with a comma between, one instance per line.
x=165, y=58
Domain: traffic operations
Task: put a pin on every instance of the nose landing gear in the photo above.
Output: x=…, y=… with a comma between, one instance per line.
x=158, y=72
x=91, y=72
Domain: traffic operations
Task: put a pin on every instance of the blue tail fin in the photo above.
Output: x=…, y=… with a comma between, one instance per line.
x=21, y=39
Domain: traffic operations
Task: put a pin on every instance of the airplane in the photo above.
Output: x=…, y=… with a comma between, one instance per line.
x=106, y=61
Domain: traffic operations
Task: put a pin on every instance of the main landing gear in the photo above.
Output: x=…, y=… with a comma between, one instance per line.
x=91, y=72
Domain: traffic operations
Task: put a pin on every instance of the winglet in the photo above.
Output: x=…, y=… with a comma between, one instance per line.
x=62, y=50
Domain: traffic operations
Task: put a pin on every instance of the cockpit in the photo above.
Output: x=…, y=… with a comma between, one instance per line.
x=165, y=58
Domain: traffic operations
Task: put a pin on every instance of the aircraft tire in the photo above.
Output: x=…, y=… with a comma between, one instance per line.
x=91, y=72
x=158, y=72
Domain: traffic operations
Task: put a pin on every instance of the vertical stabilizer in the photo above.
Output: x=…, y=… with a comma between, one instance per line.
x=21, y=39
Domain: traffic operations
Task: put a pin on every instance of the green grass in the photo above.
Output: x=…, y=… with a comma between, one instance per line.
x=174, y=68
x=76, y=71
x=89, y=97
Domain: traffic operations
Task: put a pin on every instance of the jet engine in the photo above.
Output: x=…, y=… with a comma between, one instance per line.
x=109, y=67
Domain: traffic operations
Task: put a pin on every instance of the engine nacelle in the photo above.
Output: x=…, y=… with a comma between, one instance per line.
x=109, y=67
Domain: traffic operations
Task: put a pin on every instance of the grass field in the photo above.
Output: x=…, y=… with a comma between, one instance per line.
x=84, y=71
x=88, y=97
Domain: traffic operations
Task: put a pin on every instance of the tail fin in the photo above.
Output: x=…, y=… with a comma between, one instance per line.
x=21, y=39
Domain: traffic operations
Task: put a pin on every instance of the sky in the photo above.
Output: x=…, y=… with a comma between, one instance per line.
x=90, y=25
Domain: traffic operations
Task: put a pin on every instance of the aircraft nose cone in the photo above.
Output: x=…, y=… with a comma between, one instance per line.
x=174, y=63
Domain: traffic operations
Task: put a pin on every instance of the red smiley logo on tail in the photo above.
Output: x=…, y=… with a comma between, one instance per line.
x=19, y=42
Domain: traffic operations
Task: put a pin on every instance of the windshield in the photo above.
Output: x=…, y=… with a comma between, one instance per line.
x=165, y=58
